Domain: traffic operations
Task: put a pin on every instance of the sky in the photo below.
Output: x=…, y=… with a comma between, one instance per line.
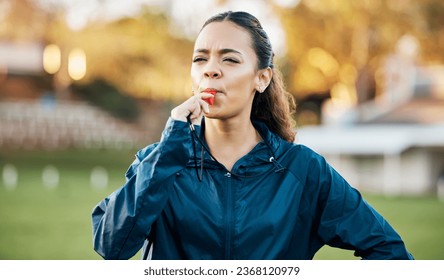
x=187, y=15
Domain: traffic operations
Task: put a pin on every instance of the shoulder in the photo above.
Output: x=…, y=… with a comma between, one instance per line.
x=303, y=161
x=302, y=152
x=143, y=153
x=140, y=155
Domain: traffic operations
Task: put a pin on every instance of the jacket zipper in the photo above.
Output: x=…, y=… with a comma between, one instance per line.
x=228, y=217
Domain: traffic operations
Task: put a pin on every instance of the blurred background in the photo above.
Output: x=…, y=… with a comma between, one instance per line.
x=85, y=84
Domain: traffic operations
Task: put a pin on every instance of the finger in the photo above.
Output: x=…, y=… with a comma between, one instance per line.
x=182, y=111
x=204, y=105
x=195, y=109
x=205, y=95
x=196, y=118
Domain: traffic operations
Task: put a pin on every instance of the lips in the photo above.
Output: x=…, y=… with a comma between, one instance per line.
x=210, y=100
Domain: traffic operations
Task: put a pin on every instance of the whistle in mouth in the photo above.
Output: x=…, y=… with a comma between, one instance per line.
x=210, y=100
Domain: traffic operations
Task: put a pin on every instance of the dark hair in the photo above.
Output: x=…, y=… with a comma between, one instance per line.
x=275, y=106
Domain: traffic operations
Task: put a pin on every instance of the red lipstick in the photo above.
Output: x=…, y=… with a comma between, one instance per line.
x=210, y=100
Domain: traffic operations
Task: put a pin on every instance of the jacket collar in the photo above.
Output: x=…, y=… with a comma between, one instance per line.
x=270, y=147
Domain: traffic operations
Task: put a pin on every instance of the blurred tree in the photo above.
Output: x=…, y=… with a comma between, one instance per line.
x=331, y=42
x=337, y=48
x=17, y=16
x=433, y=33
x=137, y=54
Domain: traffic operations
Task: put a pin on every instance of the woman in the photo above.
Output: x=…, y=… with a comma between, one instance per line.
x=226, y=180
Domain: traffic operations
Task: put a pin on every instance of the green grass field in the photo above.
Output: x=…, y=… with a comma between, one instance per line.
x=55, y=224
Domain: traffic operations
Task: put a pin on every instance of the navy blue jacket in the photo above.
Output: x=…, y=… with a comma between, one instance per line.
x=280, y=201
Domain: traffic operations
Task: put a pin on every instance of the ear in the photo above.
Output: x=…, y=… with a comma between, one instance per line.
x=263, y=79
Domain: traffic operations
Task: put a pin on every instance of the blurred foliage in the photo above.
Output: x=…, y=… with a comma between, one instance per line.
x=109, y=98
x=331, y=42
x=138, y=54
x=16, y=18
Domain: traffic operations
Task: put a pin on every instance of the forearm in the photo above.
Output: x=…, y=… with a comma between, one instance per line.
x=123, y=220
x=347, y=221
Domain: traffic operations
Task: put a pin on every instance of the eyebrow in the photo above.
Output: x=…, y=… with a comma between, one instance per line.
x=222, y=51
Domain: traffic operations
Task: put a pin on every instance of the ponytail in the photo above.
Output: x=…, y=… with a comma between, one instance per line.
x=275, y=106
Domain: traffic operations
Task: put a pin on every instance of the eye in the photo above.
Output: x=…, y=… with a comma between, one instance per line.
x=199, y=59
x=231, y=60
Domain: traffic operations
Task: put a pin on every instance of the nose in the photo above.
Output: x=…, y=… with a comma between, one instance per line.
x=212, y=74
x=212, y=71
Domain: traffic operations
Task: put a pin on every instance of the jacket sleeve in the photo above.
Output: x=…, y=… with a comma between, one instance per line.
x=347, y=221
x=122, y=221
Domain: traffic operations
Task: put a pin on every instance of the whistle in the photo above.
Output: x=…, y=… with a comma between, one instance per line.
x=210, y=100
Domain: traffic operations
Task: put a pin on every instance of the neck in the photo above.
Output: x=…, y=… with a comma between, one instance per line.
x=229, y=140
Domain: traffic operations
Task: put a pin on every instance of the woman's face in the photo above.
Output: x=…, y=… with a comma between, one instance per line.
x=225, y=61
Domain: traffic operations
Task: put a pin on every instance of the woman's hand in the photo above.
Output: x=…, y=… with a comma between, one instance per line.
x=194, y=106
